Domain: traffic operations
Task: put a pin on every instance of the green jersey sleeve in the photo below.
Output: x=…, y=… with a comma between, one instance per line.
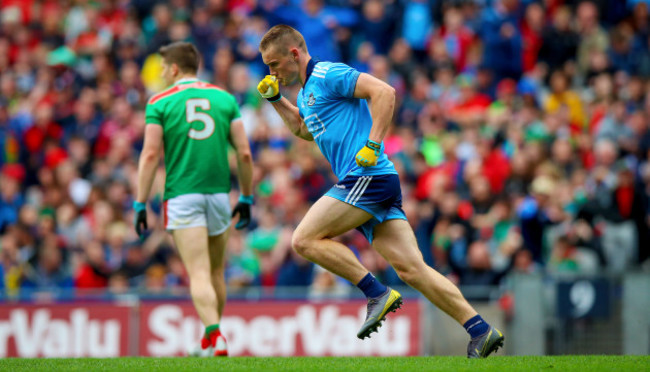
x=235, y=110
x=153, y=114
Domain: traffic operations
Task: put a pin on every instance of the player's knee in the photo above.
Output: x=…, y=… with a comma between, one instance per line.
x=408, y=272
x=300, y=244
x=199, y=276
x=201, y=288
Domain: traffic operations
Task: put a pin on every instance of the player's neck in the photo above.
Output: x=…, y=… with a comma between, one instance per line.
x=183, y=77
x=303, y=69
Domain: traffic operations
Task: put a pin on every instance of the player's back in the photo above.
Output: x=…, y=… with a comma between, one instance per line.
x=196, y=118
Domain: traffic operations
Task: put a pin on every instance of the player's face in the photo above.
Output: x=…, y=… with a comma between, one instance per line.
x=283, y=66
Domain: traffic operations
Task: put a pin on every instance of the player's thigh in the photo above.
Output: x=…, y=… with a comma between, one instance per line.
x=217, y=250
x=192, y=245
x=395, y=241
x=217, y=213
x=185, y=211
x=330, y=217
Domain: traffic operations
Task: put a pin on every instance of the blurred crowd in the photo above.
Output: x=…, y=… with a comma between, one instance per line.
x=520, y=135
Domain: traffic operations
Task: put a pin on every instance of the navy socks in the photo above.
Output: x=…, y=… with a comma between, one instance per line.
x=476, y=326
x=371, y=287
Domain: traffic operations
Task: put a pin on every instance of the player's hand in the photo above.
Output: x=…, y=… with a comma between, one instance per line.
x=269, y=88
x=243, y=209
x=140, y=218
x=368, y=155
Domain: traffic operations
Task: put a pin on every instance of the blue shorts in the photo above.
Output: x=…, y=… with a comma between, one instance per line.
x=379, y=195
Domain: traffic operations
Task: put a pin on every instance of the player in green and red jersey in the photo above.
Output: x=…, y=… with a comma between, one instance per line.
x=195, y=122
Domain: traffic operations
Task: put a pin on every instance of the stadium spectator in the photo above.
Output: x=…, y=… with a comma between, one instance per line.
x=593, y=38
x=94, y=272
x=532, y=28
x=559, y=41
x=417, y=24
x=565, y=102
x=378, y=25
x=500, y=32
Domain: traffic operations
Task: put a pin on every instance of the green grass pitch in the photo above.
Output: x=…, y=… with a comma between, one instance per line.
x=419, y=364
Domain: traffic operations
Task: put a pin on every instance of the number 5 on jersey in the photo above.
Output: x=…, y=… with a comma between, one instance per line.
x=192, y=115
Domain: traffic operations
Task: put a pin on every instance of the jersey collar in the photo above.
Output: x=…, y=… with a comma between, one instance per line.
x=186, y=80
x=310, y=68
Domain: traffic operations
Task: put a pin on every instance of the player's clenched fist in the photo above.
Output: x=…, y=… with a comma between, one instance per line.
x=269, y=88
x=368, y=155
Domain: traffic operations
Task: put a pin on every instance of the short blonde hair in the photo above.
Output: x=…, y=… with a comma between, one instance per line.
x=283, y=34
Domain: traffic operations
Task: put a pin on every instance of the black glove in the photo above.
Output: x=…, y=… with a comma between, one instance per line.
x=243, y=209
x=140, y=218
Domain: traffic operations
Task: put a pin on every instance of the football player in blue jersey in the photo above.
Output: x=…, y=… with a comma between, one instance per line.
x=347, y=114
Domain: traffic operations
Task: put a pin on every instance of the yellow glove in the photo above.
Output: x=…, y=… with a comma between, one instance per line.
x=368, y=155
x=269, y=88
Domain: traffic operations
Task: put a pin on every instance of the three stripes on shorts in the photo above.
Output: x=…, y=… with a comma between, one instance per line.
x=359, y=188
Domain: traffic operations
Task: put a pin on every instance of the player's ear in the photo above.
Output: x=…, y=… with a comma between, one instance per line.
x=294, y=54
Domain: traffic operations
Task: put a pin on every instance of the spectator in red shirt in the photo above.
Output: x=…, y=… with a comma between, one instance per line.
x=531, y=35
x=472, y=105
x=456, y=37
x=93, y=272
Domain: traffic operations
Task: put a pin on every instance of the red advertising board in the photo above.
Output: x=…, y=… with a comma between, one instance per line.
x=279, y=328
x=64, y=330
x=267, y=328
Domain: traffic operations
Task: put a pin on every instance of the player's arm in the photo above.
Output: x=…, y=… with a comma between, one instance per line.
x=270, y=89
x=149, y=159
x=239, y=141
x=291, y=117
x=381, y=98
x=147, y=165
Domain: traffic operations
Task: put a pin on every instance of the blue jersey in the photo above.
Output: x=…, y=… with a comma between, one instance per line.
x=339, y=123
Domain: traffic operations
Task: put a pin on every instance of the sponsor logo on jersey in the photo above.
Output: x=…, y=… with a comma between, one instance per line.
x=342, y=187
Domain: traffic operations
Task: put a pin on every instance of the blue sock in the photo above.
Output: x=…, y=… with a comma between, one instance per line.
x=371, y=287
x=476, y=326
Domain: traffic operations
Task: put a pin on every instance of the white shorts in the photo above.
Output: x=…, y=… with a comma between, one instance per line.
x=198, y=210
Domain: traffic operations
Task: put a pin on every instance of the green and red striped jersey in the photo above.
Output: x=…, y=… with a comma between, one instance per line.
x=196, y=118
